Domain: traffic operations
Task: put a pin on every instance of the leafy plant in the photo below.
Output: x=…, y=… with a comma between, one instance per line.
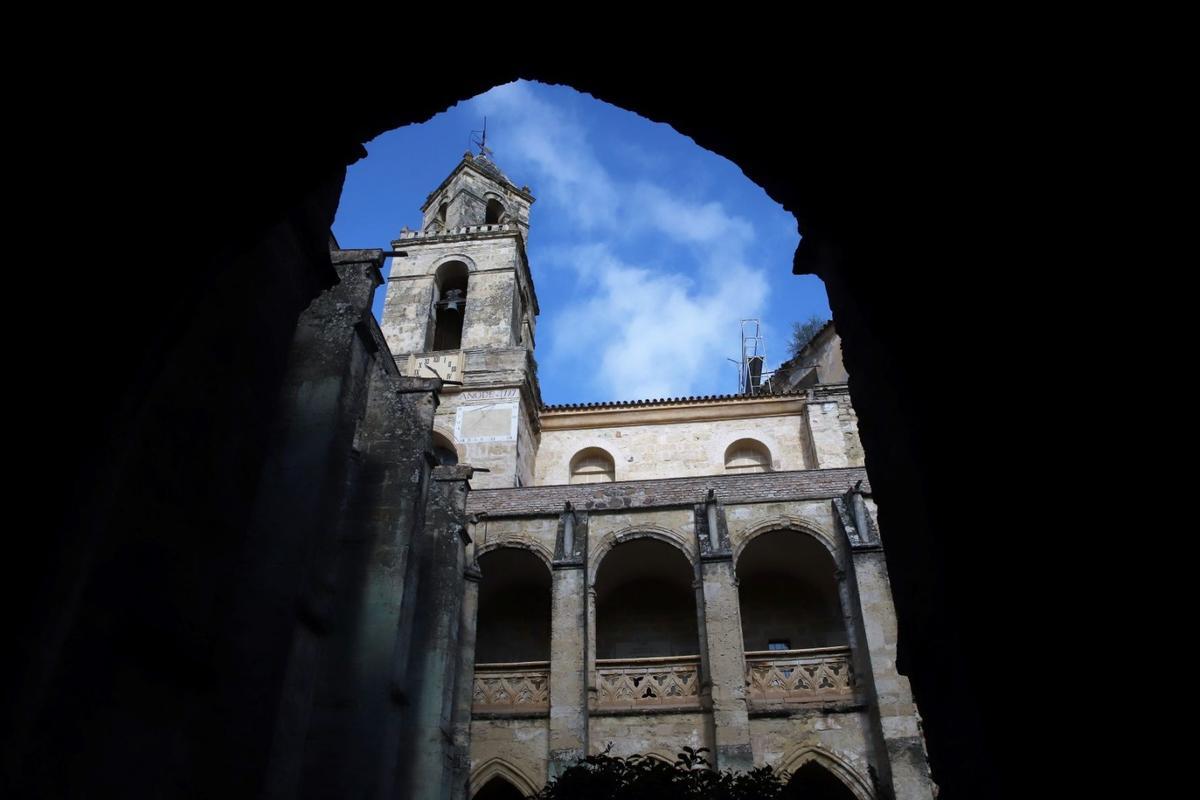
x=637, y=777
x=804, y=332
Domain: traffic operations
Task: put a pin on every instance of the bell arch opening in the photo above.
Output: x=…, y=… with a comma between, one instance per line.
x=494, y=213
x=449, y=305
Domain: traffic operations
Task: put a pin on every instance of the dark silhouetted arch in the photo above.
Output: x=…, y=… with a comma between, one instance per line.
x=498, y=789
x=813, y=782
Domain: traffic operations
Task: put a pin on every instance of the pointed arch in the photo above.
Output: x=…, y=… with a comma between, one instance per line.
x=497, y=767
x=833, y=763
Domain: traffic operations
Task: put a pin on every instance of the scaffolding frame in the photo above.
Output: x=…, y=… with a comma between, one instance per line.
x=753, y=378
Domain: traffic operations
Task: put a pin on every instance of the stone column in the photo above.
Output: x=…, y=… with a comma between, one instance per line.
x=898, y=744
x=290, y=603
x=569, y=644
x=427, y=758
x=352, y=741
x=465, y=680
x=722, y=628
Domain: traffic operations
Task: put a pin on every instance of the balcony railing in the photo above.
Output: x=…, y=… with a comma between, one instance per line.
x=646, y=683
x=517, y=687
x=782, y=677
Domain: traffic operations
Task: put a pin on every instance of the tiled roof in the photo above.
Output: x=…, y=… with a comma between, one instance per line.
x=668, y=401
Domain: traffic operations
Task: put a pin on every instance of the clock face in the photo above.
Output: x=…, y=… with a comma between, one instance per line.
x=447, y=366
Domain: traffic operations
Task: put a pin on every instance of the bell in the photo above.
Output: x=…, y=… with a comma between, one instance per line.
x=453, y=299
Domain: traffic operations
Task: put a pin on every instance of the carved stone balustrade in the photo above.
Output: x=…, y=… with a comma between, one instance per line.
x=786, y=677
x=648, y=683
x=521, y=687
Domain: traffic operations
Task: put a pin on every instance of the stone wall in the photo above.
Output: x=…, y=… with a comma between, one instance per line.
x=659, y=734
x=839, y=741
x=670, y=443
x=512, y=745
x=839, y=733
x=833, y=428
x=497, y=279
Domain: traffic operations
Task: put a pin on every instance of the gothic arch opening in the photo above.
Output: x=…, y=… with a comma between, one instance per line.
x=449, y=305
x=813, y=782
x=498, y=789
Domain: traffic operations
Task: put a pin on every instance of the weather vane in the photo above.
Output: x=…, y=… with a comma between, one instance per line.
x=481, y=141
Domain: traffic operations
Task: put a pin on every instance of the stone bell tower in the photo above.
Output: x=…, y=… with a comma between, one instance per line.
x=460, y=304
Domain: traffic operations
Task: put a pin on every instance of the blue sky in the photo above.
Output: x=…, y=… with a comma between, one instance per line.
x=646, y=250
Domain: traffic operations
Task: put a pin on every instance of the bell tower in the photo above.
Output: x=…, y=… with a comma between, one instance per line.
x=460, y=304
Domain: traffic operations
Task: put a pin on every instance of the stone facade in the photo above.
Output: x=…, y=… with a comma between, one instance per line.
x=711, y=568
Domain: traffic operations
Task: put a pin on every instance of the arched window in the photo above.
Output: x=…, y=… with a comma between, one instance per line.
x=442, y=213
x=447, y=456
x=495, y=212
x=747, y=455
x=450, y=305
x=592, y=465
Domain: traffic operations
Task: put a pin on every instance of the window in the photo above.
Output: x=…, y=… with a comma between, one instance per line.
x=779, y=644
x=495, y=212
x=592, y=465
x=747, y=455
x=446, y=455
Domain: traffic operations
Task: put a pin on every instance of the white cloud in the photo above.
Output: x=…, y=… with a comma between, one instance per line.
x=543, y=140
x=642, y=333
x=633, y=329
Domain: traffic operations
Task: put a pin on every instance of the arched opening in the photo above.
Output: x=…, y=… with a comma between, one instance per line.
x=442, y=214
x=813, y=782
x=512, y=645
x=747, y=455
x=450, y=305
x=647, y=638
x=788, y=594
x=592, y=465
x=792, y=626
x=498, y=789
x=495, y=212
x=444, y=450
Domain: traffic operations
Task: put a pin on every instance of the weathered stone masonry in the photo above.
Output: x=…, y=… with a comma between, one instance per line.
x=646, y=523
